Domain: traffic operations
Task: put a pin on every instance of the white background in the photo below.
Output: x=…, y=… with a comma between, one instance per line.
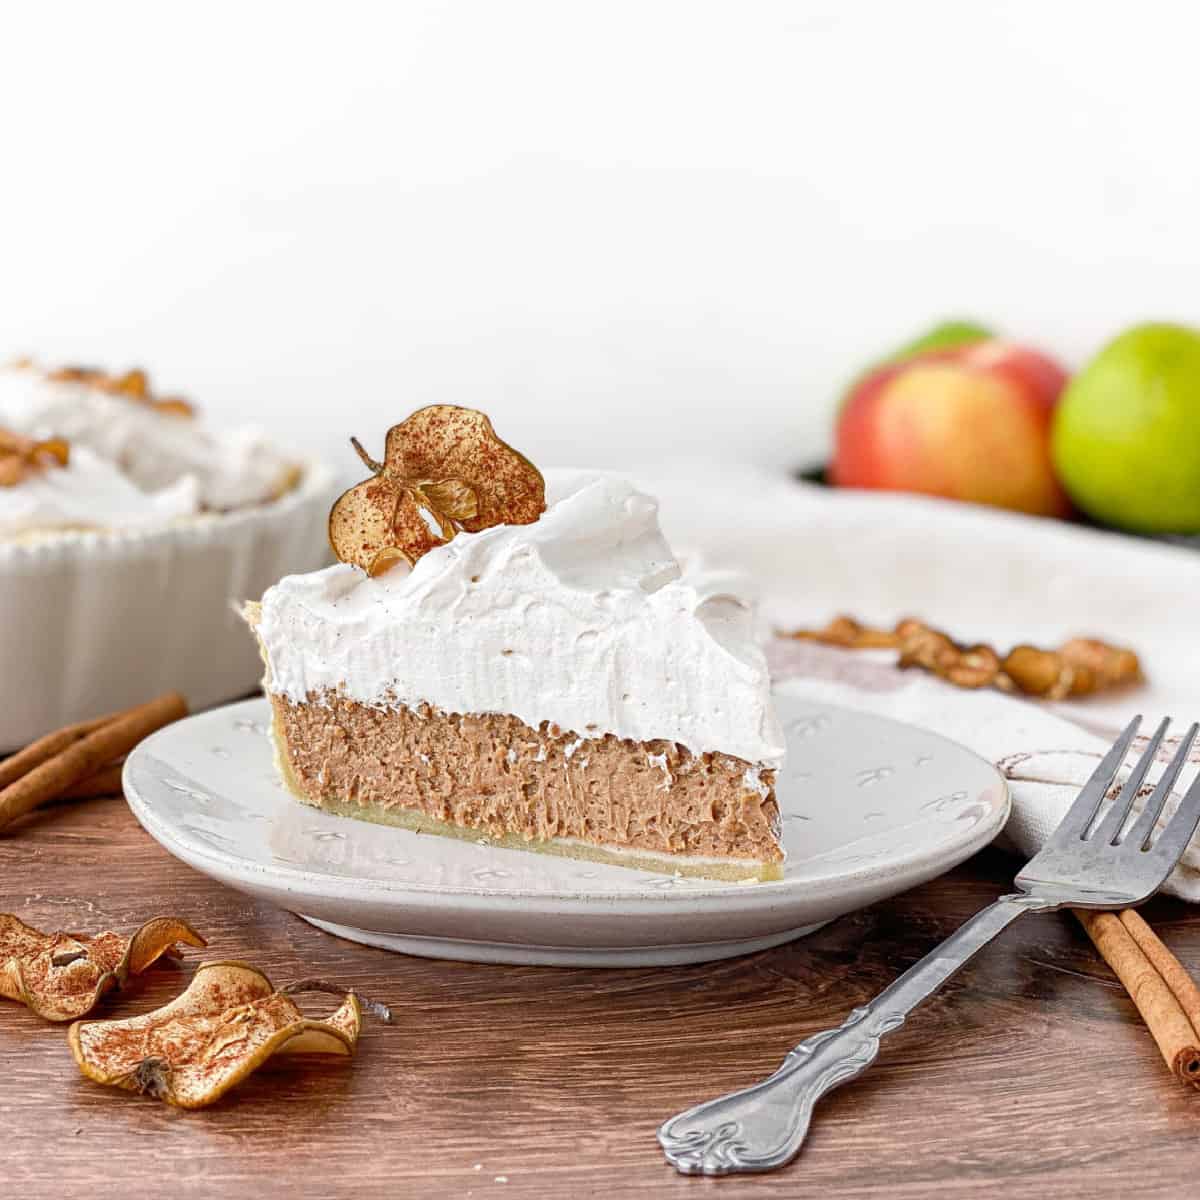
x=630, y=231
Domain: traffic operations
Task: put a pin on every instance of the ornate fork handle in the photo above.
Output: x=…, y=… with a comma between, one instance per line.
x=763, y=1126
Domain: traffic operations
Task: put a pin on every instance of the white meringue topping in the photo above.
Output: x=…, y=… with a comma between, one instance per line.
x=232, y=469
x=88, y=493
x=583, y=619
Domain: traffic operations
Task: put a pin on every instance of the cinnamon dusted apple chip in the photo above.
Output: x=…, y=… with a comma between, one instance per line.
x=61, y=976
x=444, y=471
x=21, y=457
x=227, y=1023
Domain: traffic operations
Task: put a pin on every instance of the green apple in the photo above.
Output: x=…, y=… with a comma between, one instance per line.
x=1126, y=435
x=944, y=336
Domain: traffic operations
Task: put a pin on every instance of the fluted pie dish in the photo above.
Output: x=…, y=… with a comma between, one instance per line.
x=127, y=527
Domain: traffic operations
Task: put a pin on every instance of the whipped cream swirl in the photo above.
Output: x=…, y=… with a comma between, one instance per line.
x=154, y=450
x=89, y=493
x=584, y=619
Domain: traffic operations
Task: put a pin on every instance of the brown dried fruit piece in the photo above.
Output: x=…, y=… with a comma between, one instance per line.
x=227, y=1023
x=21, y=457
x=133, y=385
x=444, y=471
x=61, y=976
x=1099, y=666
x=1039, y=672
x=931, y=650
x=1079, y=667
x=845, y=631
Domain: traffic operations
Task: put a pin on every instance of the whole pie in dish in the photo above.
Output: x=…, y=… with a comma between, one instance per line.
x=127, y=522
x=524, y=660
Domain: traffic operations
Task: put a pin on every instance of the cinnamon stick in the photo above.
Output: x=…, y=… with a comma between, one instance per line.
x=1157, y=983
x=87, y=755
x=1175, y=976
x=36, y=753
x=105, y=782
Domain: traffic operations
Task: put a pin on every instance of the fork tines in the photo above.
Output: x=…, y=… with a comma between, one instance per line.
x=1080, y=822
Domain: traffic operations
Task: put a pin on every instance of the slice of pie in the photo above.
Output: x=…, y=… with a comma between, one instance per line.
x=557, y=685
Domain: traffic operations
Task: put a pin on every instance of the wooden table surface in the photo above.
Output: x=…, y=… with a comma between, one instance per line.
x=1029, y=1075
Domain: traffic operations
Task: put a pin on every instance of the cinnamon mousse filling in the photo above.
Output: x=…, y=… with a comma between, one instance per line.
x=495, y=774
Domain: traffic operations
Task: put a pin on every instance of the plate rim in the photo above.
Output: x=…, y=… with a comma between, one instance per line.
x=727, y=896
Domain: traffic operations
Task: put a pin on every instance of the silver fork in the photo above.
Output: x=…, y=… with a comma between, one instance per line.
x=1084, y=864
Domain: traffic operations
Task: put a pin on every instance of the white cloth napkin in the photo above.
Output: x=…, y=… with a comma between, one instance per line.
x=979, y=574
x=1045, y=758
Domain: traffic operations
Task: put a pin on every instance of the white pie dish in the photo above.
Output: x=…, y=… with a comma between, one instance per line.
x=870, y=807
x=97, y=621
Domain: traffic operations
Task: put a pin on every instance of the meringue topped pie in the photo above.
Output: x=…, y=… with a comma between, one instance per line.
x=522, y=658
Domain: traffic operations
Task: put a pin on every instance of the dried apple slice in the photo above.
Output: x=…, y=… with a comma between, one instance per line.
x=74, y=374
x=228, y=1022
x=21, y=457
x=61, y=976
x=444, y=470
x=174, y=406
x=134, y=385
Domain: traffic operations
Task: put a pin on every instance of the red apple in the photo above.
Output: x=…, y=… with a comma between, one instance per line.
x=969, y=423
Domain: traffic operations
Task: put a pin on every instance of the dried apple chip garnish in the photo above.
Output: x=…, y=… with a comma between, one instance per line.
x=444, y=471
x=133, y=385
x=21, y=457
x=227, y=1023
x=61, y=976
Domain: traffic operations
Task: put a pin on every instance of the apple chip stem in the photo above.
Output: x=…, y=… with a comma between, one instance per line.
x=371, y=464
x=374, y=1007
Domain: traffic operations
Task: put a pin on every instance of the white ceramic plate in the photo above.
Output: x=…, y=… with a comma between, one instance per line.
x=870, y=807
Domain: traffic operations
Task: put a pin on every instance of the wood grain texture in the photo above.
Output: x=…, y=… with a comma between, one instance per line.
x=1029, y=1075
